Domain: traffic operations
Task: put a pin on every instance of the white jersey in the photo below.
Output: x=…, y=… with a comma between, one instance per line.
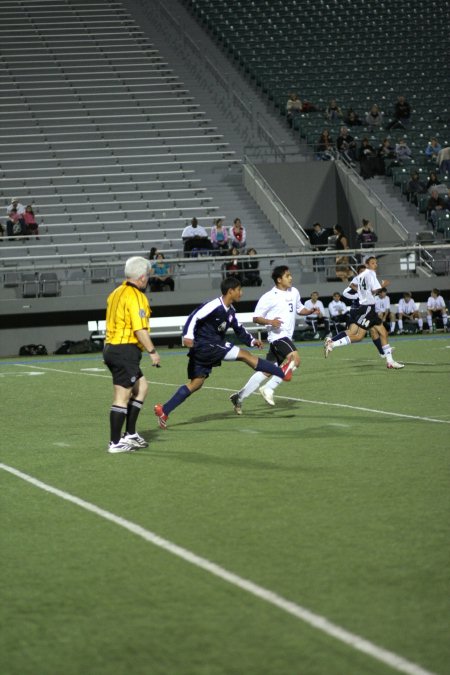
x=337, y=308
x=382, y=304
x=190, y=231
x=284, y=305
x=436, y=303
x=367, y=284
x=406, y=307
x=309, y=304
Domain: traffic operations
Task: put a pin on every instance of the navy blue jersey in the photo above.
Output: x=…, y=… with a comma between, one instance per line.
x=209, y=323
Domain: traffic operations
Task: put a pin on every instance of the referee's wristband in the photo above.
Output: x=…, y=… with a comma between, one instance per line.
x=152, y=351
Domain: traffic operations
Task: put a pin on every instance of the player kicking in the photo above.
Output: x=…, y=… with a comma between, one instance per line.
x=276, y=310
x=367, y=286
x=204, y=334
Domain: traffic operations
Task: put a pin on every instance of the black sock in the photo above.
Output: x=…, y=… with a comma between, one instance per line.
x=117, y=417
x=133, y=410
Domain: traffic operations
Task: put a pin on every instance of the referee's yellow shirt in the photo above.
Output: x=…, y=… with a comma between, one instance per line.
x=127, y=310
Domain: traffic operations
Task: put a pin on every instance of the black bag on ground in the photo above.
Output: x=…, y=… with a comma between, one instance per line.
x=33, y=350
x=72, y=347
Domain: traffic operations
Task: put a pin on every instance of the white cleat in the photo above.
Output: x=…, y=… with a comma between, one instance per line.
x=327, y=347
x=395, y=365
x=121, y=446
x=267, y=395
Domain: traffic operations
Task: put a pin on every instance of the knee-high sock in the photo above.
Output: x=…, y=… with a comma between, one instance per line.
x=252, y=385
x=117, y=416
x=133, y=410
x=377, y=343
x=177, y=399
x=266, y=366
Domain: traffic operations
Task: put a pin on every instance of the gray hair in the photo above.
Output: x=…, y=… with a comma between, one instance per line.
x=136, y=266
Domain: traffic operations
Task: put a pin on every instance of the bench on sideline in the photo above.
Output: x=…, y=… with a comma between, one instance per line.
x=171, y=326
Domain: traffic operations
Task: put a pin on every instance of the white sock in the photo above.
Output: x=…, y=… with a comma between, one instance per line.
x=388, y=353
x=430, y=321
x=252, y=385
x=341, y=342
x=273, y=383
x=400, y=324
x=392, y=326
x=445, y=319
x=420, y=323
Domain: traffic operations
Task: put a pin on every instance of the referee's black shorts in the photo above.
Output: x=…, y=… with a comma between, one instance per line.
x=279, y=349
x=124, y=363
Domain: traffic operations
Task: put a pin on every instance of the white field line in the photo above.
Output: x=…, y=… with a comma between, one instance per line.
x=286, y=398
x=317, y=621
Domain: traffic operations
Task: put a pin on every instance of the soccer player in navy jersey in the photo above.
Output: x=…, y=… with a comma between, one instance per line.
x=205, y=335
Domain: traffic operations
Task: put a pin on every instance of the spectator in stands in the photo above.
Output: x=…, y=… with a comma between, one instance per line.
x=238, y=235
x=333, y=112
x=351, y=118
x=346, y=145
x=402, y=152
x=325, y=146
x=407, y=310
x=443, y=160
x=367, y=158
x=383, y=309
x=433, y=149
x=294, y=108
x=195, y=236
x=251, y=270
x=161, y=279
x=2, y=232
x=342, y=261
x=432, y=181
x=436, y=309
x=319, y=319
x=366, y=237
x=402, y=114
x=415, y=187
x=319, y=242
x=234, y=267
x=15, y=205
x=374, y=118
x=15, y=225
x=30, y=221
x=338, y=312
x=386, y=150
x=219, y=236
x=435, y=205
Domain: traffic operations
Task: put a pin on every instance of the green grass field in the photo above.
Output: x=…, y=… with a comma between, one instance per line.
x=336, y=500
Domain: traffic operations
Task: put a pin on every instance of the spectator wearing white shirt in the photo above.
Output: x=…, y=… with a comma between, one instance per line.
x=407, y=309
x=319, y=319
x=436, y=308
x=383, y=309
x=17, y=206
x=365, y=317
x=338, y=312
x=195, y=236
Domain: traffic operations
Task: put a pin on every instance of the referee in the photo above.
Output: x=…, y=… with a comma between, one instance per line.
x=127, y=336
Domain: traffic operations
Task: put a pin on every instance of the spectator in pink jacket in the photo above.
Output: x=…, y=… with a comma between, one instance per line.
x=30, y=221
x=219, y=237
x=238, y=234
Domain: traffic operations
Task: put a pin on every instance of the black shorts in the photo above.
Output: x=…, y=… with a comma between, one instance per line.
x=123, y=362
x=279, y=349
x=365, y=317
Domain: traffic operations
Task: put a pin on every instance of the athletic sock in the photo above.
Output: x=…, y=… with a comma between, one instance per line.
x=273, y=383
x=133, y=410
x=388, y=353
x=177, y=399
x=341, y=342
x=400, y=324
x=445, y=319
x=117, y=416
x=392, y=326
x=377, y=343
x=252, y=385
x=266, y=366
x=430, y=322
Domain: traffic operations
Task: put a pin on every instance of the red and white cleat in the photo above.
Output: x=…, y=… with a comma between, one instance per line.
x=160, y=414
